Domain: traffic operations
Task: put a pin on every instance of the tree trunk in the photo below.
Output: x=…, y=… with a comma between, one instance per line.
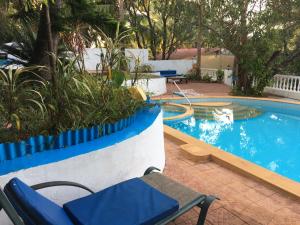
x=199, y=56
x=52, y=60
x=244, y=83
x=164, y=41
x=46, y=43
x=199, y=39
x=121, y=10
x=40, y=54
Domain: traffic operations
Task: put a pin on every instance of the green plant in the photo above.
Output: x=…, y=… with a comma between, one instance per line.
x=220, y=75
x=192, y=73
x=118, y=77
x=21, y=101
x=206, y=78
x=113, y=57
x=30, y=107
x=192, y=76
x=145, y=68
x=138, y=71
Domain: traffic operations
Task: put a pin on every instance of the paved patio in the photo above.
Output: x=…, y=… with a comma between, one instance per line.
x=211, y=89
x=243, y=200
x=206, y=89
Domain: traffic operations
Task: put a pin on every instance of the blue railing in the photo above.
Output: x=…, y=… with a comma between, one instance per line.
x=10, y=151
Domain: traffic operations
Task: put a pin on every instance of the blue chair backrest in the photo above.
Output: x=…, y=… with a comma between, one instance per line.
x=34, y=208
x=167, y=72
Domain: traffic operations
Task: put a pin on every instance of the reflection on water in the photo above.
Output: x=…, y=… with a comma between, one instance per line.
x=229, y=113
x=273, y=166
x=211, y=130
x=223, y=115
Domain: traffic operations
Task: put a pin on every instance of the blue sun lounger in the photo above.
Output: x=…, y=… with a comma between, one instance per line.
x=172, y=75
x=151, y=199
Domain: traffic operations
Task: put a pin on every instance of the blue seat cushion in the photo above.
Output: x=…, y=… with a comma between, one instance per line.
x=131, y=202
x=33, y=207
x=168, y=73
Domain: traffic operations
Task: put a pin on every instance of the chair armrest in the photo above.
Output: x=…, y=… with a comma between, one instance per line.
x=60, y=183
x=150, y=170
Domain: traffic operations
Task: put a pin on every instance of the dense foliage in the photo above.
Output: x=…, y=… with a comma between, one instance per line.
x=262, y=35
x=55, y=93
x=162, y=26
x=28, y=106
x=53, y=27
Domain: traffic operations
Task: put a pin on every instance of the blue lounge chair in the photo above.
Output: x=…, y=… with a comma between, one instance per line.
x=151, y=199
x=172, y=74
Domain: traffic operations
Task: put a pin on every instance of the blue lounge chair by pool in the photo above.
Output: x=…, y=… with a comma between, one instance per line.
x=168, y=73
x=172, y=74
x=151, y=199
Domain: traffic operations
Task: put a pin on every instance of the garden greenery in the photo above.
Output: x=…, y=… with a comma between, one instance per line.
x=28, y=106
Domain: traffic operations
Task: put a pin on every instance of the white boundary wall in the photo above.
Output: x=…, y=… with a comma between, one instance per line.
x=285, y=85
x=181, y=66
x=283, y=93
x=98, y=169
x=155, y=86
x=92, y=58
x=141, y=56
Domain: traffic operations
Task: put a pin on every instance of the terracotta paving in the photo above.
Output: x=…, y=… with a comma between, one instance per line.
x=211, y=89
x=243, y=200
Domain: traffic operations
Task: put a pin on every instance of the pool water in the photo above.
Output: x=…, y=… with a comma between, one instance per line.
x=167, y=114
x=170, y=111
x=271, y=139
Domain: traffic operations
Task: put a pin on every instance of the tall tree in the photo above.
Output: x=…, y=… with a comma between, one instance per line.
x=256, y=32
x=199, y=36
x=51, y=20
x=162, y=26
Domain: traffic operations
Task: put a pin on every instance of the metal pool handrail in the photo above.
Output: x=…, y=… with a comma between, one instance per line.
x=184, y=95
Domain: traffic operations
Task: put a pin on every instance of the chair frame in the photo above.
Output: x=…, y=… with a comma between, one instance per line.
x=203, y=202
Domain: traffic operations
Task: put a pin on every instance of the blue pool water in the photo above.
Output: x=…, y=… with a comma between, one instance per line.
x=270, y=140
x=167, y=114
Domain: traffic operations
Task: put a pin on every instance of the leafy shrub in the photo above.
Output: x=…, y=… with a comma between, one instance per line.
x=144, y=68
x=34, y=107
x=118, y=77
x=207, y=78
x=193, y=76
x=192, y=73
x=20, y=102
x=220, y=75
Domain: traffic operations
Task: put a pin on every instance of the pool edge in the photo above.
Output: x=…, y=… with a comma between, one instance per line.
x=188, y=112
x=295, y=101
x=235, y=163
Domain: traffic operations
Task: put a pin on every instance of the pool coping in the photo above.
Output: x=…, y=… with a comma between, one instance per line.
x=297, y=102
x=189, y=111
x=200, y=151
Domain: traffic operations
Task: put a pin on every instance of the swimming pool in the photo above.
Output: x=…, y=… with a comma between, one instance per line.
x=264, y=132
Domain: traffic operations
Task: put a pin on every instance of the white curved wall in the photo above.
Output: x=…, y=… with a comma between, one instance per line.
x=98, y=169
x=155, y=86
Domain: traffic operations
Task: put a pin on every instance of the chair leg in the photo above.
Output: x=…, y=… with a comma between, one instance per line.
x=204, y=209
